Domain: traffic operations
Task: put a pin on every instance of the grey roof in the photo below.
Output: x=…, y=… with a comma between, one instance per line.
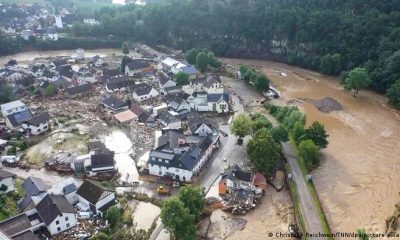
x=162, y=155
x=190, y=69
x=15, y=225
x=27, y=235
x=164, y=78
x=190, y=158
x=11, y=105
x=167, y=118
x=113, y=102
x=218, y=97
x=33, y=186
x=195, y=122
x=236, y=173
x=69, y=188
x=211, y=80
x=118, y=85
x=39, y=119
x=141, y=89
x=174, y=101
x=170, y=140
x=5, y=174
x=122, y=78
x=137, y=64
x=51, y=206
x=65, y=70
x=19, y=117
x=24, y=203
x=92, y=191
x=96, y=144
x=79, y=89
x=198, y=80
x=102, y=160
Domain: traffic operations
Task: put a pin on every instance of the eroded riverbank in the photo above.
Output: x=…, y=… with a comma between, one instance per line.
x=358, y=181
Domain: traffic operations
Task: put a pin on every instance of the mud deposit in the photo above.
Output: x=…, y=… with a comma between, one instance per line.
x=358, y=181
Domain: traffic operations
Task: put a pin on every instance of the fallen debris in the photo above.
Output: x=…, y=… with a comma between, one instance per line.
x=327, y=105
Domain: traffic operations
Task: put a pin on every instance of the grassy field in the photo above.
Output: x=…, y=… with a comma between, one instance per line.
x=8, y=205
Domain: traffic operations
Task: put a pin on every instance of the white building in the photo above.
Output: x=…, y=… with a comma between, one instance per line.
x=80, y=54
x=12, y=107
x=94, y=197
x=58, y=23
x=57, y=213
x=199, y=126
x=169, y=120
x=37, y=124
x=6, y=181
x=97, y=61
x=143, y=91
x=90, y=21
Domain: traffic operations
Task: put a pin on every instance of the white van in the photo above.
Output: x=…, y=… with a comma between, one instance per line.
x=9, y=159
x=84, y=215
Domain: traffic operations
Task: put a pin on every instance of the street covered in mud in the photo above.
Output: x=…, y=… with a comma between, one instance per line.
x=358, y=180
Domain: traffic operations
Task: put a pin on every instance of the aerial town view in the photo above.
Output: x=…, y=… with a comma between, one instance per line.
x=199, y=119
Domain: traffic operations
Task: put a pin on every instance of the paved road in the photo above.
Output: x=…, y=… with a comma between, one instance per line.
x=312, y=221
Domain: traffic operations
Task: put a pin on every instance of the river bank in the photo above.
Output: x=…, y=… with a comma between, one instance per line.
x=360, y=166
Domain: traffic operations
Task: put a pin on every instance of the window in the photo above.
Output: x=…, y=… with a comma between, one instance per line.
x=222, y=106
x=67, y=225
x=57, y=222
x=66, y=218
x=59, y=229
x=45, y=127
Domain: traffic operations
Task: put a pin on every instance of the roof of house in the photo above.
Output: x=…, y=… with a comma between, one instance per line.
x=4, y=174
x=190, y=158
x=164, y=78
x=102, y=160
x=137, y=109
x=170, y=140
x=189, y=69
x=11, y=105
x=96, y=144
x=112, y=72
x=118, y=85
x=19, y=117
x=69, y=188
x=170, y=62
x=24, y=203
x=118, y=78
x=167, y=118
x=15, y=225
x=65, y=70
x=211, y=80
x=39, y=119
x=137, y=64
x=125, y=116
x=51, y=206
x=95, y=58
x=79, y=89
x=195, y=122
x=34, y=185
x=113, y=102
x=236, y=173
x=218, y=97
x=141, y=89
x=92, y=191
x=162, y=155
x=174, y=101
x=27, y=235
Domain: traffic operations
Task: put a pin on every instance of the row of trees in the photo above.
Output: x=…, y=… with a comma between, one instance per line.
x=264, y=147
x=180, y=214
x=309, y=140
x=202, y=59
x=258, y=80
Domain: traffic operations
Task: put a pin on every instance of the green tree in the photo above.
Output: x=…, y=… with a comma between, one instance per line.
x=292, y=118
x=194, y=199
x=261, y=82
x=308, y=151
x=6, y=94
x=331, y=64
x=23, y=145
x=279, y=134
x=114, y=216
x=263, y=151
x=362, y=234
x=125, y=48
x=298, y=132
x=178, y=220
x=357, y=79
x=125, y=60
x=50, y=90
x=316, y=132
x=258, y=121
x=12, y=150
x=181, y=78
x=241, y=126
x=202, y=61
x=213, y=61
x=394, y=94
x=100, y=236
x=191, y=55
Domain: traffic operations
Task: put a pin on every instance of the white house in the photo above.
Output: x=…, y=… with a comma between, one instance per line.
x=165, y=81
x=12, y=107
x=177, y=104
x=167, y=64
x=37, y=124
x=213, y=85
x=57, y=213
x=51, y=34
x=6, y=181
x=67, y=188
x=58, y=21
x=199, y=126
x=169, y=120
x=93, y=196
x=182, y=167
x=14, y=77
x=143, y=91
x=218, y=102
x=98, y=61
x=102, y=162
x=137, y=66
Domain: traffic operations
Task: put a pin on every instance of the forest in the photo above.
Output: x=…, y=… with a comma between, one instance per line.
x=330, y=36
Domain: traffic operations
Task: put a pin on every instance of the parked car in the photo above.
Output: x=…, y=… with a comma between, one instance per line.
x=8, y=159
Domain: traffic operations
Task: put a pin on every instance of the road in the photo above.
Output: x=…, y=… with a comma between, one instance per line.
x=312, y=221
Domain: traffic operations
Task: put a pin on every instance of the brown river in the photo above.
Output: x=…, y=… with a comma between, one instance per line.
x=358, y=181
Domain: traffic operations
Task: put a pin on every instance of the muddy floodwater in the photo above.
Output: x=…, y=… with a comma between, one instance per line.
x=358, y=181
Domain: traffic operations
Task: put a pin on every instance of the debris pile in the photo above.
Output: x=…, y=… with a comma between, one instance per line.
x=327, y=105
